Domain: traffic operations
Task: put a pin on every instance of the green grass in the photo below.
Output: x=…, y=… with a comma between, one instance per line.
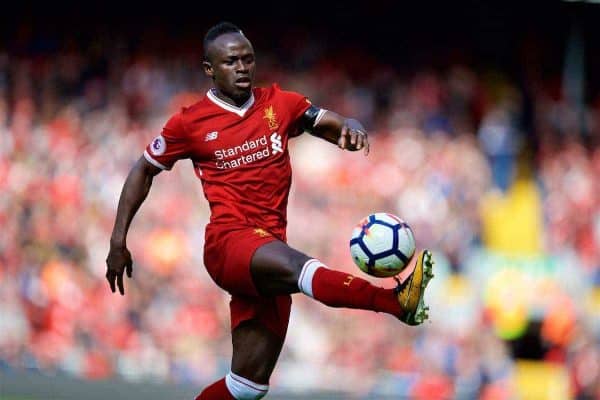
x=16, y=398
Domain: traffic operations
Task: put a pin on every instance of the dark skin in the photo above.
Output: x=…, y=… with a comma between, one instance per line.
x=275, y=267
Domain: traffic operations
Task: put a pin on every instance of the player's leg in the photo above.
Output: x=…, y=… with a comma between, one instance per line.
x=277, y=268
x=255, y=352
x=258, y=323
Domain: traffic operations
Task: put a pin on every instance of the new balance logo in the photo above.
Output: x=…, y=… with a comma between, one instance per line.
x=276, y=143
x=211, y=136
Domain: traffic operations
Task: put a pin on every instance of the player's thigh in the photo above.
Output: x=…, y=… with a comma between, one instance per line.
x=255, y=351
x=275, y=268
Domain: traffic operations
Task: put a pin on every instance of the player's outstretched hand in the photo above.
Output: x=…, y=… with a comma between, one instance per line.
x=118, y=261
x=354, y=138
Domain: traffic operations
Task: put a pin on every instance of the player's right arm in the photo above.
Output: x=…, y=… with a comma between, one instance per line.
x=135, y=190
x=160, y=154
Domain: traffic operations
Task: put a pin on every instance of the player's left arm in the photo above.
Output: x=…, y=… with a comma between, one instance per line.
x=346, y=133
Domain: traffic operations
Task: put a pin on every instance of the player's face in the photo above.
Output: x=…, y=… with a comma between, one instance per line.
x=231, y=66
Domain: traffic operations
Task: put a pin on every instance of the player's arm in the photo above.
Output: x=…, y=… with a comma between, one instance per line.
x=347, y=133
x=134, y=193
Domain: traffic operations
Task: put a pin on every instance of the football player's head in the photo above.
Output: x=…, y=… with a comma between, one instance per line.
x=229, y=61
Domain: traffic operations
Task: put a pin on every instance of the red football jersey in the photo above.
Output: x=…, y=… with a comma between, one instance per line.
x=239, y=153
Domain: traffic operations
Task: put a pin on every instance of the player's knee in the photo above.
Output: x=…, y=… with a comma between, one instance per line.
x=295, y=264
x=245, y=389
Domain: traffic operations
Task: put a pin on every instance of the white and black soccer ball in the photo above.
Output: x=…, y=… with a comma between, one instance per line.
x=382, y=245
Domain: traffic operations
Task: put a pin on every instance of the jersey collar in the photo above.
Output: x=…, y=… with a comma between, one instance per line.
x=226, y=106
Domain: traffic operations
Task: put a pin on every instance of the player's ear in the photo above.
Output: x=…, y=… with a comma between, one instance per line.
x=208, y=69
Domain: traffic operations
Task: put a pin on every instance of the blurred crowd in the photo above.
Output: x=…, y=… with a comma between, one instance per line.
x=443, y=141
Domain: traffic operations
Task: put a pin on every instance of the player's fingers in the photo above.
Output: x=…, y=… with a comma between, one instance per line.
x=120, y=284
x=360, y=142
x=367, y=145
x=110, y=277
x=129, y=268
x=354, y=137
x=342, y=140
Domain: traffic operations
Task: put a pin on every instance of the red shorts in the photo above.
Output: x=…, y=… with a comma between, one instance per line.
x=228, y=252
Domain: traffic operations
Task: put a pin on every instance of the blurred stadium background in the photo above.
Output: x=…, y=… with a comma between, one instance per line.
x=485, y=126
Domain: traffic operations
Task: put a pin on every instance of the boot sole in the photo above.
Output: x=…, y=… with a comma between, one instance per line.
x=422, y=311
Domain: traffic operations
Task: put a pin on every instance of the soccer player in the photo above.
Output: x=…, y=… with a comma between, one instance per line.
x=237, y=139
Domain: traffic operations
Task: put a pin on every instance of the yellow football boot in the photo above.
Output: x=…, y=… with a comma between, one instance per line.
x=410, y=292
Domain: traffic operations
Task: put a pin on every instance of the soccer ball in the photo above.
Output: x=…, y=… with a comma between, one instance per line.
x=382, y=244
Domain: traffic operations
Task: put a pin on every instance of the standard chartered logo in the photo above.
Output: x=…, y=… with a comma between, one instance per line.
x=276, y=143
x=248, y=152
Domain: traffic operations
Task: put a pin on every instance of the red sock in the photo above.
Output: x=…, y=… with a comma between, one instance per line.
x=339, y=289
x=216, y=391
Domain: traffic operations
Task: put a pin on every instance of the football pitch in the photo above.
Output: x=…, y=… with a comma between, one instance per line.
x=16, y=398
x=35, y=386
x=314, y=396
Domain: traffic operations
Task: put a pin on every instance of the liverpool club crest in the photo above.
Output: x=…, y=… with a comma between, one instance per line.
x=271, y=118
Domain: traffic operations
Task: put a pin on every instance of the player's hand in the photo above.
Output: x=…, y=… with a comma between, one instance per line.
x=354, y=139
x=118, y=261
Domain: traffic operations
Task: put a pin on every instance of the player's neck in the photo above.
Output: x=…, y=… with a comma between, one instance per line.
x=237, y=102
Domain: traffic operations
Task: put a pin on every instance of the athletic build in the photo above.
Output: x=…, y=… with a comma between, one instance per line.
x=237, y=139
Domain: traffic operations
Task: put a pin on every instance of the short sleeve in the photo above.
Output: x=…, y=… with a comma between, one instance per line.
x=297, y=104
x=171, y=145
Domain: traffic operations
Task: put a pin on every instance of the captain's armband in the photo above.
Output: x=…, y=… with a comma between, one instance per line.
x=311, y=118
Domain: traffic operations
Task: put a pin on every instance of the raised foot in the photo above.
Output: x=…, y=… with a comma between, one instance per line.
x=411, y=292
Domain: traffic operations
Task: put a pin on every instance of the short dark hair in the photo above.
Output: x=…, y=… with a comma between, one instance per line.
x=217, y=30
